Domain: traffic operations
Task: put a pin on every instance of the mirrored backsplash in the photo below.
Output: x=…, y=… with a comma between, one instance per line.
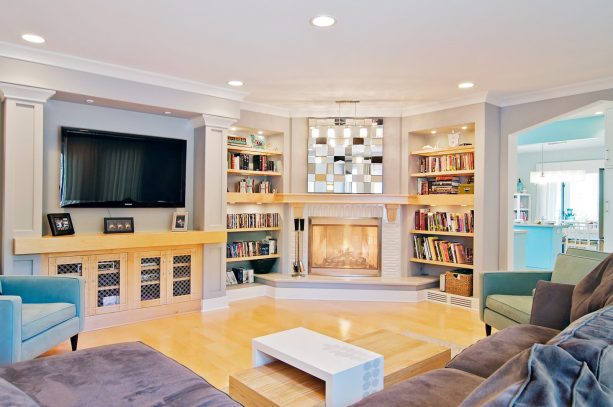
x=345, y=155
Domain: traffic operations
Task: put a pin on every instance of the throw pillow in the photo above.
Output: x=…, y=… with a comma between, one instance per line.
x=594, y=291
x=543, y=375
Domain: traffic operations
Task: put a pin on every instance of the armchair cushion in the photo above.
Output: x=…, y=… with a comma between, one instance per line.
x=571, y=269
x=486, y=356
x=37, y=318
x=551, y=305
x=595, y=291
x=515, y=307
x=12, y=396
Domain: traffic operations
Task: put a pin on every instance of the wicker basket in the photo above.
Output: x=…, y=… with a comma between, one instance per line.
x=459, y=283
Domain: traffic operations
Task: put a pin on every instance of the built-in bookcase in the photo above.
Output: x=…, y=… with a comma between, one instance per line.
x=253, y=215
x=441, y=178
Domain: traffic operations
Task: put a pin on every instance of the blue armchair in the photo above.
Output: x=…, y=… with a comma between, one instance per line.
x=38, y=313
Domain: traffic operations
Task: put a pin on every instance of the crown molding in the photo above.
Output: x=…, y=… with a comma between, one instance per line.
x=558, y=91
x=215, y=122
x=445, y=104
x=365, y=109
x=264, y=109
x=116, y=71
x=25, y=93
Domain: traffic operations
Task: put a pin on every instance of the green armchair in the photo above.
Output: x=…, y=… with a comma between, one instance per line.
x=38, y=313
x=507, y=297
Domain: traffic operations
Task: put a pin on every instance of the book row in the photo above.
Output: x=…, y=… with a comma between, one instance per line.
x=441, y=185
x=239, y=275
x=238, y=161
x=251, y=248
x=250, y=186
x=252, y=220
x=445, y=221
x=433, y=248
x=449, y=162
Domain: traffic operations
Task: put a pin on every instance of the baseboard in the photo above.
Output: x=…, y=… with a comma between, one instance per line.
x=211, y=304
x=244, y=293
x=452, y=299
x=345, y=295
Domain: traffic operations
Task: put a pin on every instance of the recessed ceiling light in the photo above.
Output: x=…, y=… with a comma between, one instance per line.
x=260, y=132
x=90, y=101
x=167, y=112
x=433, y=131
x=465, y=85
x=464, y=127
x=235, y=83
x=598, y=113
x=33, y=38
x=323, y=21
x=233, y=128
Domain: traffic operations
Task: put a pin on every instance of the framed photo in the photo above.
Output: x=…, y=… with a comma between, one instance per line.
x=258, y=142
x=179, y=221
x=118, y=225
x=60, y=224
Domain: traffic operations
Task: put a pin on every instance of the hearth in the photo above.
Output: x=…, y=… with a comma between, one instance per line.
x=344, y=247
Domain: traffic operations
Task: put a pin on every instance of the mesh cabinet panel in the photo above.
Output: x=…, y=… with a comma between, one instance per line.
x=75, y=269
x=109, y=278
x=181, y=273
x=181, y=287
x=150, y=278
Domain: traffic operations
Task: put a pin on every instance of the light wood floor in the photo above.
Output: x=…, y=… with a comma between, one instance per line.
x=217, y=343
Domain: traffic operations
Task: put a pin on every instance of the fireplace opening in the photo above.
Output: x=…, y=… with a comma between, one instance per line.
x=344, y=247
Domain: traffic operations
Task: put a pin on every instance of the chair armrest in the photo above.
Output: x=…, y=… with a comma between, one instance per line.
x=42, y=289
x=551, y=305
x=10, y=330
x=509, y=283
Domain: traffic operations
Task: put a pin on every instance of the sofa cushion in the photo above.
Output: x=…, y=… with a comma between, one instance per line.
x=489, y=354
x=590, y=340
x=37, y=318
x=126, y=374
x=12, y=396
x=594, y=291
x=436, y=388
x=515, y=307
x=543, y=375
x=571, y=269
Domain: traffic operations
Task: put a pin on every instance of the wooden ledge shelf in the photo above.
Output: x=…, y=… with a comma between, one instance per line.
x=255, y=173
x=443, y=263
x=442, y=173
x=441, y=233
x=237, y=197
x=444, y=151
x=254, y=151
x=251, y=229
x=442, y=199
x=236, y=259
x=100, y=241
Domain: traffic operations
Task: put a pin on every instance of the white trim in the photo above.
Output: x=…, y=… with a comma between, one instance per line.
x=336, y=294
x=264, y=109
x=115, y=71
x=25, y=93
x=218, y=122
x=557, y=92
x=243, y=293
x=446, y=104
x=212, y=304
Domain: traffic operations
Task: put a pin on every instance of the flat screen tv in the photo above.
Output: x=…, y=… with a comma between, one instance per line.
x=101, y=169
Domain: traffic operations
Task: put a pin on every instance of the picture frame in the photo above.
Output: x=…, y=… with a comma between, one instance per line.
x=60, y=224
x=180, y=221
x=258, y=142
x=118, y=225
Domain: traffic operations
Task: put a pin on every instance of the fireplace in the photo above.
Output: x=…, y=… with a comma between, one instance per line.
x=344, y=247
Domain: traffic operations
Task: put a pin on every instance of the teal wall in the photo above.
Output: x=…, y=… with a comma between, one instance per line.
x=572, y=129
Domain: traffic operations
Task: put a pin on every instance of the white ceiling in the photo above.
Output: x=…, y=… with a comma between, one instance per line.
x=412, y=52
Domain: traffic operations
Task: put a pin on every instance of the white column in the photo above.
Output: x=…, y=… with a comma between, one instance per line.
x=21, y=172
x=210, y=198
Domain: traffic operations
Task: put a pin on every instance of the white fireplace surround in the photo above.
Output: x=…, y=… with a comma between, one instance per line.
x=391, y=232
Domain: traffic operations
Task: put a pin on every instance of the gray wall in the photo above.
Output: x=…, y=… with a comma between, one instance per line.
x=90, y=220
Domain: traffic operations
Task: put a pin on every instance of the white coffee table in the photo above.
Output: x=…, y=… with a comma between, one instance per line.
x=350, y=372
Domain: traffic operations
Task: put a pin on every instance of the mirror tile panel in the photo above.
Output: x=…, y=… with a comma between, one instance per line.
x=345, y=156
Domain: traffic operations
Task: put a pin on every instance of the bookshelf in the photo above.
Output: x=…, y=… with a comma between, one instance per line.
x=253, y=214
x=441, y=199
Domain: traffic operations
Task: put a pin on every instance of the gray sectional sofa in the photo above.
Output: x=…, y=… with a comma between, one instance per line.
x=529, y=365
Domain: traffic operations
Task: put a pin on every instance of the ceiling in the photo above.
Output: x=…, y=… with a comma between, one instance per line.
x=409, y=52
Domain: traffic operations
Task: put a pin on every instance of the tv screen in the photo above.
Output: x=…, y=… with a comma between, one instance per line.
x=101, y=169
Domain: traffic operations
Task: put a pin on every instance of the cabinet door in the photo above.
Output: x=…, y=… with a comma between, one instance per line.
x=109, y=283
x=182, y=276
x=150, y=281
x=72, y=266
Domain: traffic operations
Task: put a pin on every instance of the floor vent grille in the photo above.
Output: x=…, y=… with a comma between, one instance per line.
x=452, y=299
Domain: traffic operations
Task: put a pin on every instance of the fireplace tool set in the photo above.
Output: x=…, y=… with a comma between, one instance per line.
x=298, y=266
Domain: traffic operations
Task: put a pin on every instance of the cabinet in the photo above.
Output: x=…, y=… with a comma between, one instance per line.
x=128, y=285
